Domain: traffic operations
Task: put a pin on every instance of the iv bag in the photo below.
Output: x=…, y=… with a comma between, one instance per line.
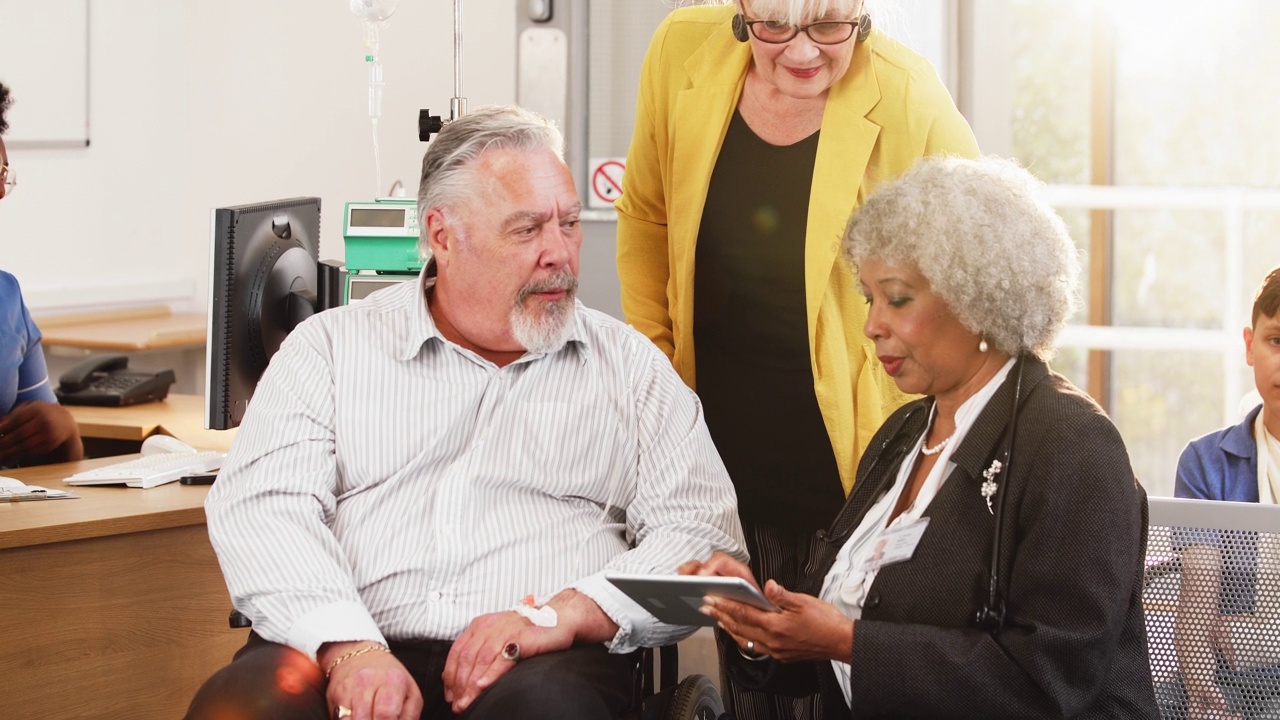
x=374, y=12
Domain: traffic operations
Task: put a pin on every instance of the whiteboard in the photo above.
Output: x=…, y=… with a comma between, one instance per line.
x=44, y=59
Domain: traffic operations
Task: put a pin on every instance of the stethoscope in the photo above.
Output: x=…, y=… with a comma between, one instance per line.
x=990, y=616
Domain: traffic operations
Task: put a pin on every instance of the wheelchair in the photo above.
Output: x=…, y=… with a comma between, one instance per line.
x=693, y=698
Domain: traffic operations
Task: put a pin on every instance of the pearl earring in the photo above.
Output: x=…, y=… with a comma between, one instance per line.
x=982, y=345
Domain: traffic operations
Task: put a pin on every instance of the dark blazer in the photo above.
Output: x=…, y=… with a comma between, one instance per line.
x=1073, y=642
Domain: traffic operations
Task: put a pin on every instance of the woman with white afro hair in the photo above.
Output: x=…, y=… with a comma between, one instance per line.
x=1013, y=530
x=981, y=234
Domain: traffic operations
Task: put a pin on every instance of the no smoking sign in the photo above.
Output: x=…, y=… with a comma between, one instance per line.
x=606, y=182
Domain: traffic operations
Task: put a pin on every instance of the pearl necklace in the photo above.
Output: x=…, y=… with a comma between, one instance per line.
x=936, y=448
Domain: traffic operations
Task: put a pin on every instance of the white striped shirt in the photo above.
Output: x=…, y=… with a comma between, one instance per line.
x=389, y=484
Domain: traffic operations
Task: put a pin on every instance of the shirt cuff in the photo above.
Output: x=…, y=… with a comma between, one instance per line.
x=634, y=622
x=335, y=622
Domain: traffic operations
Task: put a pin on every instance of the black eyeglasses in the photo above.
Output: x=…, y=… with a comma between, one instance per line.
x=826, y=32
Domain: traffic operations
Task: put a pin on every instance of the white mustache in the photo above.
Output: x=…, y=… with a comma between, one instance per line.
x=560, y=280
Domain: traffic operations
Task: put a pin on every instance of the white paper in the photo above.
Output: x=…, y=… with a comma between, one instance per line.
x=17, y=487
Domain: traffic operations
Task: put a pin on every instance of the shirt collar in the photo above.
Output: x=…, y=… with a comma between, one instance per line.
x=422, y=326
x=1238, y=440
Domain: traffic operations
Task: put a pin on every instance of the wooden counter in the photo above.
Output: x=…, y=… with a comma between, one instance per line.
x=114, y=605
x=147, y=328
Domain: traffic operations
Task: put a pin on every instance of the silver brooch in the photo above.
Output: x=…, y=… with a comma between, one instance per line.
x=989, y=487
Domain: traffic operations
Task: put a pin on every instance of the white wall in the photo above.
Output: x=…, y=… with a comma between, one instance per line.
x=203, y=103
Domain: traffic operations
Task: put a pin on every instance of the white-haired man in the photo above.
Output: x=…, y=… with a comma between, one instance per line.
x=416, y=465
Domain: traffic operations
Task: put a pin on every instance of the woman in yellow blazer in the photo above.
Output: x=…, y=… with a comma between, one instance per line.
x=760, y=127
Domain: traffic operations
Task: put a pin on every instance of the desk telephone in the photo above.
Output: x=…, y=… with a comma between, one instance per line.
x=107, y=380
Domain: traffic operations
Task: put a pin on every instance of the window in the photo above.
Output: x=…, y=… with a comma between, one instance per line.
x=1153, y=123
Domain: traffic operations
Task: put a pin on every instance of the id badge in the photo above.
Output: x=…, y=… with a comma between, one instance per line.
x=895, y=545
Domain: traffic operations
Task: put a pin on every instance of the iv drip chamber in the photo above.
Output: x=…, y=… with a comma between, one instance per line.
x=374, y=12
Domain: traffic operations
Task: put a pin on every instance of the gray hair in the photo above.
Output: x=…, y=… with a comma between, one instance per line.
x=446, y=167
x=989, y=246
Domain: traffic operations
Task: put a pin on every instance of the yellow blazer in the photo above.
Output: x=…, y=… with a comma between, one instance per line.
x=888, y=110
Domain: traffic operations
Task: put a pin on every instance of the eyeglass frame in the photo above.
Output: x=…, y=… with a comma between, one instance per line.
x=795, y=31
x=8, y=178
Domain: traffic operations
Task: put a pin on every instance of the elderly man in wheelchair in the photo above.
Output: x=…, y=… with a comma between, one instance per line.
x=430, y=484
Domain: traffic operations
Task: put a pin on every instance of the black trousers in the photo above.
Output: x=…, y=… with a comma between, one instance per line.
x=268, y=681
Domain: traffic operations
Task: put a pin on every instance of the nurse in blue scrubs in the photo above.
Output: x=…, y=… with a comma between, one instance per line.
x=34, y=429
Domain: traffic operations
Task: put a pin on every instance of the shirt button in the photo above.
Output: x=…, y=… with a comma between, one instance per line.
x=435, y=595
x=873, y=601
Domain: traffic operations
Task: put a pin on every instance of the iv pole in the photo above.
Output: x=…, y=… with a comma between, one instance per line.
x=429, y=124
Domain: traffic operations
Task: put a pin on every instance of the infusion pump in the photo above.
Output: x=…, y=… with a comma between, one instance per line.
x=381, y=239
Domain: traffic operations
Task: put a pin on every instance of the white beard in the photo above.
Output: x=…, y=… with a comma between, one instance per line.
x=547, y=333
x=546, y=327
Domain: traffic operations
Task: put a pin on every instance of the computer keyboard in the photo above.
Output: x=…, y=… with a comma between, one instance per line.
x=150, y=470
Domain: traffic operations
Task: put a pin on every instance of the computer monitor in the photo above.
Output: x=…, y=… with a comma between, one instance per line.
x=265, y=278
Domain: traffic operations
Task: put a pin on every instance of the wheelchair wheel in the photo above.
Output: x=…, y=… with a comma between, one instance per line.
x=695, y=698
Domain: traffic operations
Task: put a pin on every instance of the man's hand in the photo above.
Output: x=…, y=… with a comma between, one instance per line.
x=475, y=662
x=39, y=432
x=374, y=685
x=806, y=629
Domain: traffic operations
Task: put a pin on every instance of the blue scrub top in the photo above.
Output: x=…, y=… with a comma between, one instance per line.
x=23, y=375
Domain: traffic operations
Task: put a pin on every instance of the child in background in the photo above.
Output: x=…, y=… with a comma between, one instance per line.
x=1225, y=637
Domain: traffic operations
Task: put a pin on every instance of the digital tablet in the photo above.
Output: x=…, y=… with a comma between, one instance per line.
x=675, y=599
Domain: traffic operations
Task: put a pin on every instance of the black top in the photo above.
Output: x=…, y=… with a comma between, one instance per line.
x=750, y=333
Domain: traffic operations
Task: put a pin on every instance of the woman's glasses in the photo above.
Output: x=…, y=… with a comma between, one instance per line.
x=8, y=178
x=826, y=32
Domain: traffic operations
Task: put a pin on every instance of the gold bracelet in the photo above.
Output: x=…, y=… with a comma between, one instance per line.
x=354, y=653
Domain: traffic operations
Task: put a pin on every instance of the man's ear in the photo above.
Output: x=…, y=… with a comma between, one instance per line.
x=1248, y=346
x=440, y=236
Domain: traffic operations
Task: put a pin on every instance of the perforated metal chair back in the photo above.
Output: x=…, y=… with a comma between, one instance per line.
x=1212, y=602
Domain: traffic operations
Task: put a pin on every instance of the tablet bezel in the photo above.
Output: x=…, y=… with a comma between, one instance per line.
x=675, y=599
